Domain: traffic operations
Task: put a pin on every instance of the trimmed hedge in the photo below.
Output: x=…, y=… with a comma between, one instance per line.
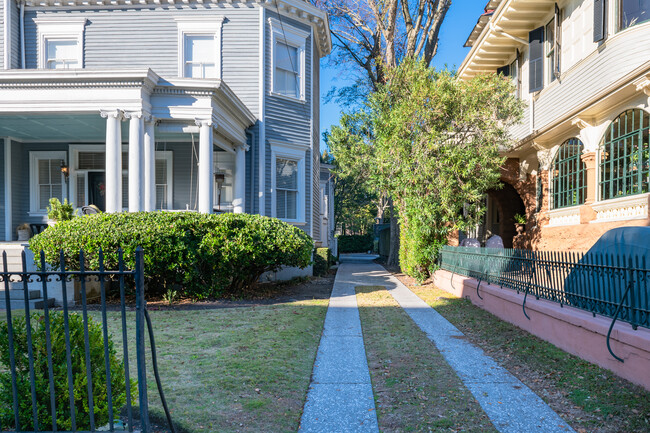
x=206, y=255
x=355, y=243
x=322, y=260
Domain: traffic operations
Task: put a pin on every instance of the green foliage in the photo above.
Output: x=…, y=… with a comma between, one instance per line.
x=80, y=381
x=437, y=152
x=322, y=260
x=206, y=255
x=520, y=218
x=58, y=211
x=355, y=243
x=356, y=197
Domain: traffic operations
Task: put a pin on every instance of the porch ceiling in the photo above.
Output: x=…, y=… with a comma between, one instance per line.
x=54, y=127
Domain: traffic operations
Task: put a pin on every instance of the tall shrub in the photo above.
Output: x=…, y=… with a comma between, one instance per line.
x=80, y=381
x=204, y=254
x=438, y=140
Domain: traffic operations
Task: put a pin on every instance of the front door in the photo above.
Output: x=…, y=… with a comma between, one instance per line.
x=97, y=189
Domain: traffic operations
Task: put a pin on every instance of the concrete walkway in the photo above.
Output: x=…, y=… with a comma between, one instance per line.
x=340, y=397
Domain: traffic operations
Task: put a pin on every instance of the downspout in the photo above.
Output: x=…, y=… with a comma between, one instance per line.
x=6, y=28
x=249, y=203
x=22, y=35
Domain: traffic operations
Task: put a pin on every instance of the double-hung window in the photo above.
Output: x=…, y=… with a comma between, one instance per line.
x=46, y=179
x=199, y=47
x=286, y=185
x=289, y=60
x=288, y=181
x=60, y=43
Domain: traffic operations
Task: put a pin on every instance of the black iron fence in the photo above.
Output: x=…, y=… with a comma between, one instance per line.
x=612, y=285
x=59, y=369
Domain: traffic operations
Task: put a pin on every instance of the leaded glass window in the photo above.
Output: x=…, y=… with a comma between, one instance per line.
x=569, y=181
x=624, y=156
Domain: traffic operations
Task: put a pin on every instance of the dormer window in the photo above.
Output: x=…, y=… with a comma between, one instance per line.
x=60, y=43
x=199, y=47
x=62, y=53
x=200, y=56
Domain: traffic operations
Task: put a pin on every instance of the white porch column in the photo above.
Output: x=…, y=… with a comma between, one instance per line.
x=136, y=161
x=206, y=166
x=239, y=192
x=149, y=165
x=113, y=160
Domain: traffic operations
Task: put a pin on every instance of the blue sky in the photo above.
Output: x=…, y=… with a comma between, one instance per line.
x=458, y=23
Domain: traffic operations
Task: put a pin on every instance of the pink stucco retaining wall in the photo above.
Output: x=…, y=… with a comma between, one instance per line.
x=573, y=330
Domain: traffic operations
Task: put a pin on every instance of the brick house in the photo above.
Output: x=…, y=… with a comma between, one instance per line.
x=581, y=163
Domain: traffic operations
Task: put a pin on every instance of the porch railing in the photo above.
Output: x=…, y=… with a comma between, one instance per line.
x=49, y=404
x=612, y=285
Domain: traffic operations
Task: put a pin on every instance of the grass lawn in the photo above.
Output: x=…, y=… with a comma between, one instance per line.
x=415, y=389
x=240, y=369
x=591, y=399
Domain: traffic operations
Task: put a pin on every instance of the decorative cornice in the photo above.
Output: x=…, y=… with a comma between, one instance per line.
x=643, y=85
x=582, y=122
x=134, y=114
x=116, y=114
x=205, y=122
x=298, y=10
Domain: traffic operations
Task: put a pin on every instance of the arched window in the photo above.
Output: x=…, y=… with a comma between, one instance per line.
x=625, y=155
x=569, y=181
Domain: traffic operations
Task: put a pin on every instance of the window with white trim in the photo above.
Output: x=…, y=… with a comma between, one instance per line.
x=60, y=43
x=286, y=186
x=288, y=181
x=199, y=47
x=288, y=54
x=46, y=179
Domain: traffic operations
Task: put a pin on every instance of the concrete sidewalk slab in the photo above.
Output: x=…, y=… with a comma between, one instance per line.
x=511, y=406
x=340, y=397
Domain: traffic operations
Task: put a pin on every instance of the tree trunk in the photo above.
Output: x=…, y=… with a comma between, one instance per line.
x=393, y=252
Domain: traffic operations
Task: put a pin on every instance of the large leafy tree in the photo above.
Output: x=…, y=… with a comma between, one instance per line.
x=357, y=198
x=437, y=142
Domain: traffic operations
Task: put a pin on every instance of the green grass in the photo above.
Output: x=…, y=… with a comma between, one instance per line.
x=415, y=389
x=590, y=398
x=244, y=369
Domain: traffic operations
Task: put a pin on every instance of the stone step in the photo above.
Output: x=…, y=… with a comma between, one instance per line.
x=34, y=304
x=19, y=293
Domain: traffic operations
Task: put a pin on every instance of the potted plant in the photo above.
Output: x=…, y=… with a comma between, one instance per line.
x=520, y=223
x=24, y=232
x=58, y=211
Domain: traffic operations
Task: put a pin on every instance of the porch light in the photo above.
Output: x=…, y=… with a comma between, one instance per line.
x=65, y=170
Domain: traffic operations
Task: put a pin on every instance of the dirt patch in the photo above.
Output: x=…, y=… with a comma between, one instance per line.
x=264, y=294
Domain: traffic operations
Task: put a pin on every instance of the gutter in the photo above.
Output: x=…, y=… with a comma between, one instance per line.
x=495, y=29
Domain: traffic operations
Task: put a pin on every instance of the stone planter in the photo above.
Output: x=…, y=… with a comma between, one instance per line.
x=24, y=235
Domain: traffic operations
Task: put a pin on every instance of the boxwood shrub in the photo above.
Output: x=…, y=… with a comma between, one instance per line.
x=78, y=368
x=322, y=260
x=203, y=255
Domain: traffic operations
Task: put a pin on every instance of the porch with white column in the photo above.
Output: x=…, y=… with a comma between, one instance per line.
x=206, y=167
x=149, y=165
x=239, y=189
x=113, y=188
x=136, y=161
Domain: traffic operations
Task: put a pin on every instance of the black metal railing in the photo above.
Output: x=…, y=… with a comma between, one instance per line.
x=613, y=285
x=64, y=389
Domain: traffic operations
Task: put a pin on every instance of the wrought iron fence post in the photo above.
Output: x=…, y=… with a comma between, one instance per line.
x=140, y=305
